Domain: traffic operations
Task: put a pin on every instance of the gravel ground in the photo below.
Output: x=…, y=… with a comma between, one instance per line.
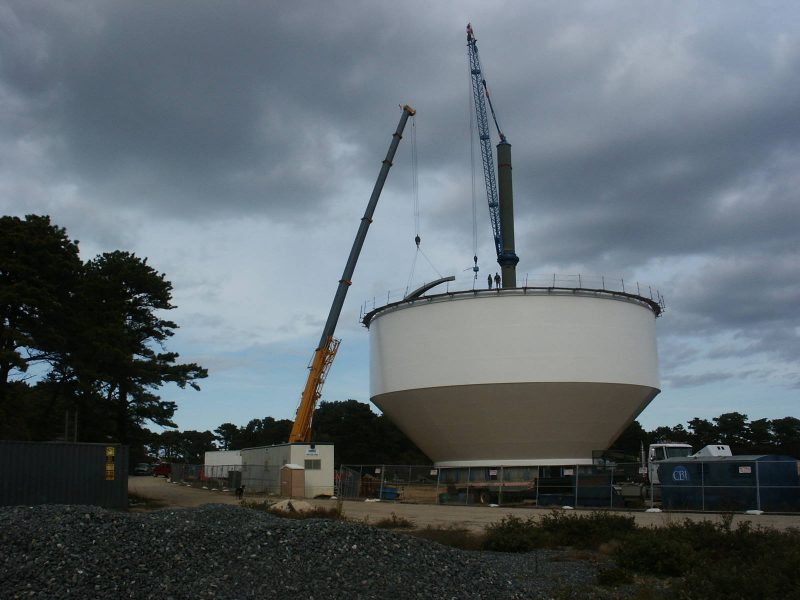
x=223, y=551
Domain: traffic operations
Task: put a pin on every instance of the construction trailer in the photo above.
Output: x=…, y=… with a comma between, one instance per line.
x=220, y=463
x=261, y=468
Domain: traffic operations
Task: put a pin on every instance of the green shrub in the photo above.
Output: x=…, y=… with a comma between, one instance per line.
x=395, y=522
x=452, y=536
x=614, y=577
x=512, y=534
x=585, y=531
x=655, y=551
x=746, y=563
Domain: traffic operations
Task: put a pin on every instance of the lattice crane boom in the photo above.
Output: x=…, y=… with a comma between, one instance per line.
x=501, y=211
x=480, y=91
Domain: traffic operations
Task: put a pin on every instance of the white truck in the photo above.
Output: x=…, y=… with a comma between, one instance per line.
x=649, y=487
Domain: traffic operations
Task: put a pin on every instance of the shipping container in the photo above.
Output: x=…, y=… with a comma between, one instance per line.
x=63, y=473
x=730, y=483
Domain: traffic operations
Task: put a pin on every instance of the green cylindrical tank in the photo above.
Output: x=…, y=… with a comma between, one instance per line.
x=508, y=258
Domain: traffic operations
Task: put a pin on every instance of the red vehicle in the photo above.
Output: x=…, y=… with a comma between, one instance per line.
x=163, y=469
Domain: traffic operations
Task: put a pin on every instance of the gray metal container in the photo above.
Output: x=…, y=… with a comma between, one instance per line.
x=63, y=473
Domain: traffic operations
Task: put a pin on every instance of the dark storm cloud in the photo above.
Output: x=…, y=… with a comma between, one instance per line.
x=202, y=106
x=644, y=137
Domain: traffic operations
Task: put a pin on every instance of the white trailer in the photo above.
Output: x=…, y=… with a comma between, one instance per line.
x=261, y=467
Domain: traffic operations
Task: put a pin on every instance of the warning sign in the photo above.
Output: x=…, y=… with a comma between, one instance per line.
x=111, y=473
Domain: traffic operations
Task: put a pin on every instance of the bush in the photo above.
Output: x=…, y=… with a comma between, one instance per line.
x=395, y=522
x=743, y=564
x=655, y=551
x=585, y=531
x=614, y=577
x=452, y=536
x=512, y=534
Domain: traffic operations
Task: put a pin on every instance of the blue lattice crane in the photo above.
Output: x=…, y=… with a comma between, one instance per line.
x=501, y=204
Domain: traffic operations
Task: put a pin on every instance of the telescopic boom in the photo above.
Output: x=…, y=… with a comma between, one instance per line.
x=328, y=345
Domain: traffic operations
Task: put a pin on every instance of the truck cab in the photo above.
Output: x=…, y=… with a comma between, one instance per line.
x=662, y=451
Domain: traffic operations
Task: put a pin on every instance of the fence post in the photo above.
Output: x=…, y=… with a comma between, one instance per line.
x=538, y=478
x=576, y=486
x=703, y=486
x=758, y=489
x=469, y=478
x=438, y=477
x=502, y=485
x=383, y=473
x=611, y=488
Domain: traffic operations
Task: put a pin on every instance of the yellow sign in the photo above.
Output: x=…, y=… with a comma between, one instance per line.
x=111, y=472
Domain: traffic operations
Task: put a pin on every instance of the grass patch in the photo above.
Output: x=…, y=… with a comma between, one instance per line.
x=395, y=522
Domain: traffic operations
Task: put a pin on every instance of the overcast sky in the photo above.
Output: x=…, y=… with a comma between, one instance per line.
x=235, y=144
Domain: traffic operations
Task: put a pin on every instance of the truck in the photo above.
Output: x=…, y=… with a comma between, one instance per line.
x=647, y=487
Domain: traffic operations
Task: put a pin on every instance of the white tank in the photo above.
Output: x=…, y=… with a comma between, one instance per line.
x=514, y=377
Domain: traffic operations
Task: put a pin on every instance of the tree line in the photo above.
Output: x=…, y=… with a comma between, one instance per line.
x=82, y=344
x=83, y=354
x=359, y=435
x=762, y=436
x=363, y=437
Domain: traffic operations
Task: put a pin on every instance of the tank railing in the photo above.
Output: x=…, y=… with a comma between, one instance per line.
x=555, y=281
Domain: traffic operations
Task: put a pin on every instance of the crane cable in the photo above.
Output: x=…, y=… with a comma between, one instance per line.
x=470, y=112
x=415, y=203
x=415, y=179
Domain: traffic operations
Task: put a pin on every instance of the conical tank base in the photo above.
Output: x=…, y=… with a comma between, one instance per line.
x=515, y=424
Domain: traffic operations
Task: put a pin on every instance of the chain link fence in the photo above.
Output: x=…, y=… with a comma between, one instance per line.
x=249, y=481
x=741, y=485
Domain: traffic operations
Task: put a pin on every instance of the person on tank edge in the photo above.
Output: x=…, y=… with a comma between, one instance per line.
x=489, y=280
x=496, y=281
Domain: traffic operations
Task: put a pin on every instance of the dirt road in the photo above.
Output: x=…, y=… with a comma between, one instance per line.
x=470, y=517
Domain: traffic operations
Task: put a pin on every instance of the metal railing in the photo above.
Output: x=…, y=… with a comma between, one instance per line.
x=529, y=281
x=763, y=485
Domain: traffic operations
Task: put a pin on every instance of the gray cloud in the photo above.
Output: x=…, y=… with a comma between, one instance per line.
x=661, y=141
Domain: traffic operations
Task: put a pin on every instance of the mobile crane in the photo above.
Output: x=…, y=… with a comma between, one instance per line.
x=328, y=345
x=501, y=205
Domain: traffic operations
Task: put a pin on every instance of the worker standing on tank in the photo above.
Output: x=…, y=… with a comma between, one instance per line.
x=489, y=280
x=496, y=281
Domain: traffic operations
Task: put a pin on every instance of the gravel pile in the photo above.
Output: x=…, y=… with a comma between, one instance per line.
x=223, y=551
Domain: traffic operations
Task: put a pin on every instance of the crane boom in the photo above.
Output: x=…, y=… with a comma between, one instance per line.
x=328, y=345
x=501, y=212
x=479, y=91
